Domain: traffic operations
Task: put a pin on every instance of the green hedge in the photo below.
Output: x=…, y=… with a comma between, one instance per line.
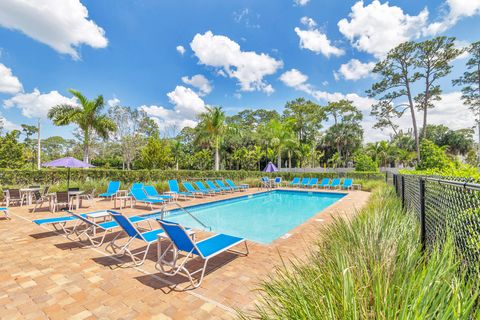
x=54, y=176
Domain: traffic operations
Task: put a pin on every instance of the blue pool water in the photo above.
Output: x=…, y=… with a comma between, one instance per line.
x=262, y=217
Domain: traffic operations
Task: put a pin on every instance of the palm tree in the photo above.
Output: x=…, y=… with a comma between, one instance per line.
x=212, y=128
x=281, y=133
x=87, y=116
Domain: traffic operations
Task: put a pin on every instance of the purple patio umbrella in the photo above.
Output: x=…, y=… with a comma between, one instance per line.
x=67, y=162
x=270, y=167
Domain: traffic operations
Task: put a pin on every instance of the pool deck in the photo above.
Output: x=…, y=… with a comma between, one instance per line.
x=45, y=275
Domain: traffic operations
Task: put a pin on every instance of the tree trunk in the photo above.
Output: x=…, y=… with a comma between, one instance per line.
x=414, y=118
x=176, y=165
x=86, y=150
x=217, y=159
x=39, y=147
x=425, y=103
x=289, y=159
x=279, y=159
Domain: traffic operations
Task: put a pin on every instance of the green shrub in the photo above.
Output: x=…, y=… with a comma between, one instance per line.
x=433, y=157
x=371, y=268
x=364, y=163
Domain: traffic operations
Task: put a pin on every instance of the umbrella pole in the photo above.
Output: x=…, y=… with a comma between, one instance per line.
x=68, y=179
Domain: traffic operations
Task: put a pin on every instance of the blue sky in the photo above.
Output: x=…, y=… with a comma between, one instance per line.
x=241, y=54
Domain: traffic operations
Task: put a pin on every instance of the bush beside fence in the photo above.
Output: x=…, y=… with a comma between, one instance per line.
x=443, y=205
x=54, y=176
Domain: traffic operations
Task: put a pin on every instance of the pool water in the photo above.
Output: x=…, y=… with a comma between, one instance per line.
x=262, y=217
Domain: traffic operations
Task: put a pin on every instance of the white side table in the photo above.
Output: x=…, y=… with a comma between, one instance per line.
x=98, y=215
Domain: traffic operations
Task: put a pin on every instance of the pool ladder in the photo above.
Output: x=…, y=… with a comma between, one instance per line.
x=178, y=205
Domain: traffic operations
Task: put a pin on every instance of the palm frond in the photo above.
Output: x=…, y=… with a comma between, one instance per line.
x=64, y=114
x=103, y=126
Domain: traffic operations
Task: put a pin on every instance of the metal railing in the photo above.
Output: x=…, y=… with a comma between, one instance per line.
x=443, y=205
x=183, y=209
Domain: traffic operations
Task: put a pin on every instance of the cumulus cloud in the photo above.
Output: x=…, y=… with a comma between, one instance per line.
x=36, y=104
x=293, y=78
x=7, y=125
x=377, y=28
x=62, y=25
x=309, y=22
x=248, y=67
x=8, y=82
x=200, y=82
x=355, y=69
x=181, y=50
x=316, y=41
x=186, y=107
x=113, y=102
x=457, y=9
x=301, y=3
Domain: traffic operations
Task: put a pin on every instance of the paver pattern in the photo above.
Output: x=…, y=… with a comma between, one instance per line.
x=45, y=275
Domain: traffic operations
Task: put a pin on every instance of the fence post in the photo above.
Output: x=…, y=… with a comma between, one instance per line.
x=403, y=191
x=422, y=213
x=386, y=176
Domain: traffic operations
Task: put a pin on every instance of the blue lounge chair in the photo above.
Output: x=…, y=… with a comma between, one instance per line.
x=335, y=183
x=202, y=187
x=59, y=223
x=5, y=211
x=153, y=193
x=312, y=183
x=295, y=182
x=204, y=250
x=133, y=233
x=212, y=186
x=190, y=188
x=88, y=228
x=137, y=185
x=277, y=182
x=325, y=183
x=223, y=186
x=139, y=195
x=112, y=189
x=265, y=182
x=174, y=188
x=304, y=182
x=233, y=185
x=347, y=184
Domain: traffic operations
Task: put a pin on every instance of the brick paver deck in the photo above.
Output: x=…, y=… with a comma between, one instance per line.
x=45, y=275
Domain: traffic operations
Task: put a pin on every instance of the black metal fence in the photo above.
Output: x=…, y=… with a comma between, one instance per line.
x=443, y=204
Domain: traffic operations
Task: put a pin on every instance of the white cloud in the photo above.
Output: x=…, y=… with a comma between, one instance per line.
x=200, y=82
x=293, y=78
x=36, y=104
x=309, y=22
x=8, y=82
x=457, y=10
x=377, y=28
x=113, y=102
x=301, y=3
x=317, y=42
x=7, y=125
x=186, y=106
x=355, y=69
x=62, y=25
x=181, y=50
x=248, y=67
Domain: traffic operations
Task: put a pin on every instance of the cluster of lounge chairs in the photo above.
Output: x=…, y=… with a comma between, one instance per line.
x=182, y=247
x=326, y=183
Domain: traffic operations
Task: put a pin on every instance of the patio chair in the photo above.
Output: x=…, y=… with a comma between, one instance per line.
x=74, y=189
x=190, y=188
x=201, y=186
x=39, y=199
x=174, y=188
x=90, y=196
x=14, y=196
x=5, y=212
x=112, y=189
x=139, y=195
x=204, y=250
x=277, y=182
x=61, y=199
x=295, y=182
x=265, y=182
x=88, y=228
x=335, y=183
x=153, y=193
x=137, y=185
x=58, y=223
x=233, y=185
x=304, y=182
x=212, y=186
x=225, y=187
x=148, y=237
x=347, y=184
x=325, y=183
x=312, y=183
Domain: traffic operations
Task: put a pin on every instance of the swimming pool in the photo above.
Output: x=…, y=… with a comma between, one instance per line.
x=261, y=217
